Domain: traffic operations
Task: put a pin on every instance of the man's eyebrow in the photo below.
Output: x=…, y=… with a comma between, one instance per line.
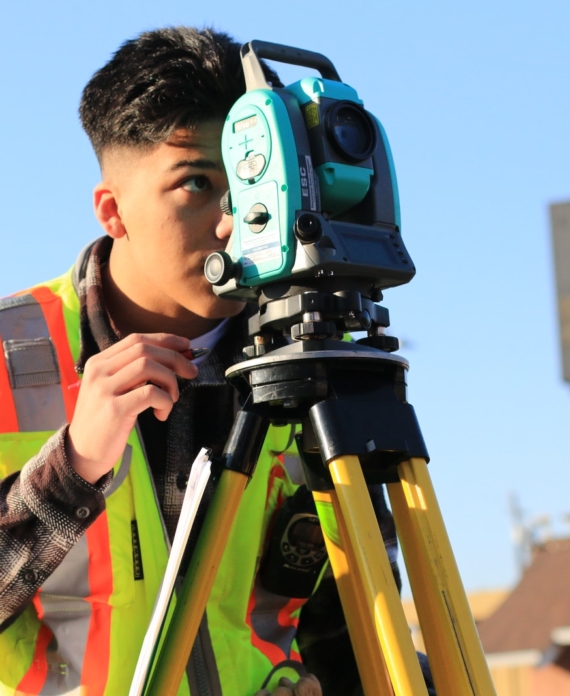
x=200, y=163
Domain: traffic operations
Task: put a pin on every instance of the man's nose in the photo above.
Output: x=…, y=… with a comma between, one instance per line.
x=225, y=226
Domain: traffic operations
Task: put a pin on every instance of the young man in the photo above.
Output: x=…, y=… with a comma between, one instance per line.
x=94, y=477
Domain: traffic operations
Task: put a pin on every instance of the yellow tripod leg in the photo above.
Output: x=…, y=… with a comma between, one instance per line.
x=454, y=650
x=367, y=650
x=200, y=577
x=384, y=608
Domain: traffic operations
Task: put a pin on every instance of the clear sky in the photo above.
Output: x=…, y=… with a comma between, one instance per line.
x=475, y=101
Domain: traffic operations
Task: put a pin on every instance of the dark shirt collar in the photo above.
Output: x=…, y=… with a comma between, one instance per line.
x=97, y=332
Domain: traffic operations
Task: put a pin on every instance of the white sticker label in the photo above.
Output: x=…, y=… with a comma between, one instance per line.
x=260, y=249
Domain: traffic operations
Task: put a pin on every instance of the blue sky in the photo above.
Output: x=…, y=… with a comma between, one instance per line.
x=475, y=101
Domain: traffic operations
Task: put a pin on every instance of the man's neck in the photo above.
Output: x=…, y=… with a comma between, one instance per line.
x=128, y=317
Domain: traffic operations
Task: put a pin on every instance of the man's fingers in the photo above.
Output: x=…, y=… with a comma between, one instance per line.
x=147, y=396
x=167, y=351
x=141, y=372
x=164, y=355
x=306, y=686
x=137, y=373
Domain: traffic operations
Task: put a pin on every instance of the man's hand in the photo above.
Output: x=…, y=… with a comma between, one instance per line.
x=136, y=373
x=306, y=686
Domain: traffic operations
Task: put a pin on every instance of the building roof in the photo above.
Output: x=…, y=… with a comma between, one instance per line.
x=538, y=605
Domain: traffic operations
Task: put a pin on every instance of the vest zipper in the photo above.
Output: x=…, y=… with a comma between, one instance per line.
x=164, y=530
x=198, y=673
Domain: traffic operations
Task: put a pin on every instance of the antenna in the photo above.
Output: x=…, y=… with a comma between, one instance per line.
x=520, y=534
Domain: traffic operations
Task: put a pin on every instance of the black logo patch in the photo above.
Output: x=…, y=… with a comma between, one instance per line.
x=137, y=556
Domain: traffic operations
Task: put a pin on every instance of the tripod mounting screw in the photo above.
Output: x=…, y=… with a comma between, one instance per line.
x=258, y=348
x=388, y=344
x=365, y=319
x=313, y=329
x=308, y=228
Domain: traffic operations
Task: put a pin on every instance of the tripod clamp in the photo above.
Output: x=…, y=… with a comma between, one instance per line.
x=350, y=399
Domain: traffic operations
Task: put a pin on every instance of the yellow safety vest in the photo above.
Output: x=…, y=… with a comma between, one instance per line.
x=83, y=632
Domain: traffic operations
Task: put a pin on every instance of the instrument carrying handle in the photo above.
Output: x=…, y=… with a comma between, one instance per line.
x=254, y=50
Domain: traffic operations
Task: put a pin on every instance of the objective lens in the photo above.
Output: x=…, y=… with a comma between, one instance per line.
x=351, y=131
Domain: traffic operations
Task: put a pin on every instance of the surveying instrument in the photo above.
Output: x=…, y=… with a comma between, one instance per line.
x=316, y=240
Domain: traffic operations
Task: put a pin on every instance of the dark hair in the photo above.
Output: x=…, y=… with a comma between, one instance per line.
x=159, y=81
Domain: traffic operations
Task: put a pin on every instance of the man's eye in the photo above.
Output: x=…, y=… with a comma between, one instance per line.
x=195, y=184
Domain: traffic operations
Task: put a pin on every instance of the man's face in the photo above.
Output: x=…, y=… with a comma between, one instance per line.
x=167, y=202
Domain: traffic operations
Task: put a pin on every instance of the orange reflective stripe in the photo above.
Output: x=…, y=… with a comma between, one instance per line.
x=9, y=421
x=37, y=602
x=35, y=677
x=97, y=651
x=96, y=664
x=53, y=313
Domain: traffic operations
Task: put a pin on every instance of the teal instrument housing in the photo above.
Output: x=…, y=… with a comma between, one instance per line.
x=313, y=189
x=342, y=185
x=393, y=177
x=260, y=158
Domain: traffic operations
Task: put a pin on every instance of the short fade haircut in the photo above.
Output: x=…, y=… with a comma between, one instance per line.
x=162, y=80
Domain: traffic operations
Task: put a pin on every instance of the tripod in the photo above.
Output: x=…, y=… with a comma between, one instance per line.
x=357, y=428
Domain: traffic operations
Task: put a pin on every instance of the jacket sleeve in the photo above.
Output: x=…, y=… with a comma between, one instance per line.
x=44, y=509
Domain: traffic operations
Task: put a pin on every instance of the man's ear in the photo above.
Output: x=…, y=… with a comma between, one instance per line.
x=107, y=210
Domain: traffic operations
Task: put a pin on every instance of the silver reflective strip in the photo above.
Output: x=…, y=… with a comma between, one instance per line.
x=80, y=691
x=294, y=467
x=68, y=616
x=265, y=619
x=18, y=301
x=22, y=317
x=32, y=365
x=40, y=408
x=70, y=578
x=123, y=471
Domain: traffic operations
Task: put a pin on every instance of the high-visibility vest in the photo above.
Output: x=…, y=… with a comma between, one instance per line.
x=83, y=631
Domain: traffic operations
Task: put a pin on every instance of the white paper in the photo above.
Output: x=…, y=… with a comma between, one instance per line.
x=199, y=474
